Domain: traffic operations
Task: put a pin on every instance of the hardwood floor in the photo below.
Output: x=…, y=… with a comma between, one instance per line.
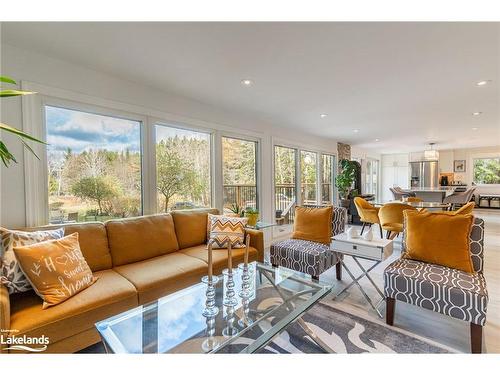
x=448, y=331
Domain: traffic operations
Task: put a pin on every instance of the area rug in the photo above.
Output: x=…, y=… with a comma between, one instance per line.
x=341, y=328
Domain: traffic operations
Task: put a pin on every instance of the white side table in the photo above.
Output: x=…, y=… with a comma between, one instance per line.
x=376, y=250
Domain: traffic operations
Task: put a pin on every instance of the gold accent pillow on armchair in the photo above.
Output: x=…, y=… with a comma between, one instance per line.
x=313, y=224
x=439, y=239
x=56, y=269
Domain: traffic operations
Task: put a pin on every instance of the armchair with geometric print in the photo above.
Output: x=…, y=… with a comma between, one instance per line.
x=310, y=257
x=448, y=291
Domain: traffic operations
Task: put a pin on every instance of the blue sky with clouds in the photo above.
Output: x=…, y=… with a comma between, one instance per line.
x=83, y=131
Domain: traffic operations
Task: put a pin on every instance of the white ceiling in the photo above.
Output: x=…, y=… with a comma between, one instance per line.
x=405, y=83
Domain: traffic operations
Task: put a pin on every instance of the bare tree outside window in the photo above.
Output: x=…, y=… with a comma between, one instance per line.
x=182, y=168
x=94, y=166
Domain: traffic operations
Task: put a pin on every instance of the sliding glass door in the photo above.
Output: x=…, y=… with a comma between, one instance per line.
x=327, y=179
x=308, y=177
x=371, y=177
x=285, y=184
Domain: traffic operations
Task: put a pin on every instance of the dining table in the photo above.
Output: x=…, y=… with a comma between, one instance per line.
x=431, y=205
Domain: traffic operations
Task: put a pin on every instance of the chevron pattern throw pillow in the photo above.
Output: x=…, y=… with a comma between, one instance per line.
x=225, y=230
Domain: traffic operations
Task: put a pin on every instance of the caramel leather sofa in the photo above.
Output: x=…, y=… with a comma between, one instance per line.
x=136, y=260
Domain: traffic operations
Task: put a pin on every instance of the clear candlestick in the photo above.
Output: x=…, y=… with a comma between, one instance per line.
x=246, y=293
x=230, y=301
x=210, y=312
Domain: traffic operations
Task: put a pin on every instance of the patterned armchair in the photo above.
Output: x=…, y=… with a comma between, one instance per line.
x=310, y=257
x=445, y=290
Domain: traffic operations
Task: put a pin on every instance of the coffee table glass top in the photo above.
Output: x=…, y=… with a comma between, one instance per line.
x=175, y=324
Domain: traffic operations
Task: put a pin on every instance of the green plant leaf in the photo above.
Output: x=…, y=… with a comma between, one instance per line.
x=7, y=80
x=19, y=133
x=5, y=155
x=7, y=93
x=29, y=148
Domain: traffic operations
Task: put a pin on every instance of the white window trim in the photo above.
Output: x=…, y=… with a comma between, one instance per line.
x=35, y=171
x=36, y=194
x=488, y=155
x=182, y=126
x=258, y=165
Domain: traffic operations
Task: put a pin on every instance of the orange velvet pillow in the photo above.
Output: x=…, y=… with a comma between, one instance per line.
x=313, y=224
x=439, y=239
x=56, y=269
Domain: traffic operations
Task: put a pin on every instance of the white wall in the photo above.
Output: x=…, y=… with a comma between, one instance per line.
x=27, y=66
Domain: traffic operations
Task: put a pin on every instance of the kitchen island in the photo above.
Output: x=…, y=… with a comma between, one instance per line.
x=433, y=194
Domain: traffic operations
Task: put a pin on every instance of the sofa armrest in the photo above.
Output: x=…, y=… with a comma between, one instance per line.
x=257, y=242
x=4, y=311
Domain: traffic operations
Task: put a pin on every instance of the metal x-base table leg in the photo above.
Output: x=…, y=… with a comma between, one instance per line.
x=355, y=281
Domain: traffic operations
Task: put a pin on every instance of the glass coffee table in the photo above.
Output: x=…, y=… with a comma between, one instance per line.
x=175, y=324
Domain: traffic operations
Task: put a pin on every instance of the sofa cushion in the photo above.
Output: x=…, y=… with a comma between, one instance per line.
x=111, y=294
x=438, y=239
x=11, y=274
x=309, y=257
x=191, y=226
x=93, y=242
x=135, y=239
x=220, y=256
x=313, y=224
x=56, y=269
x=226, y=230
x=156, y=277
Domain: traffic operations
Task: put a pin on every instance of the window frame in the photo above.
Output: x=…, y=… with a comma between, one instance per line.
x=41, y=212
x=257, y=142
x=181, y=126
x=333, y=195
x=365, y=174
x=472, y=164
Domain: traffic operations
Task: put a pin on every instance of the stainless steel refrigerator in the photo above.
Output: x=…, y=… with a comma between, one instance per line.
x=424, y=174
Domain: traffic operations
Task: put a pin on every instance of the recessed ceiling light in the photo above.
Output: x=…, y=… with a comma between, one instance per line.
x=355, y=130
x=474, y=129
x=483, y=83
x=323, y=115
x=246, y=82
x=476, y=113
x=376, y=139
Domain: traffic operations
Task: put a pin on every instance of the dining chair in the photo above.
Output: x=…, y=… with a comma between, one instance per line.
x=459, y=198
x=399, y=193
x=414, y=199
x=391, y=217
x=464, y=210
x=368, y=214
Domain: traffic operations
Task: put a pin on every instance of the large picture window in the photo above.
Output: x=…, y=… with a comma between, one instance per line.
x=308, y=177
x=239, y=173
x=486, y=171
x=183, y=177
x=285, y=187
x=94, y=166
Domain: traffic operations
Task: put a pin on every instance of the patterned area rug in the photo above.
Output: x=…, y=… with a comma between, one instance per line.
x=341, y=331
